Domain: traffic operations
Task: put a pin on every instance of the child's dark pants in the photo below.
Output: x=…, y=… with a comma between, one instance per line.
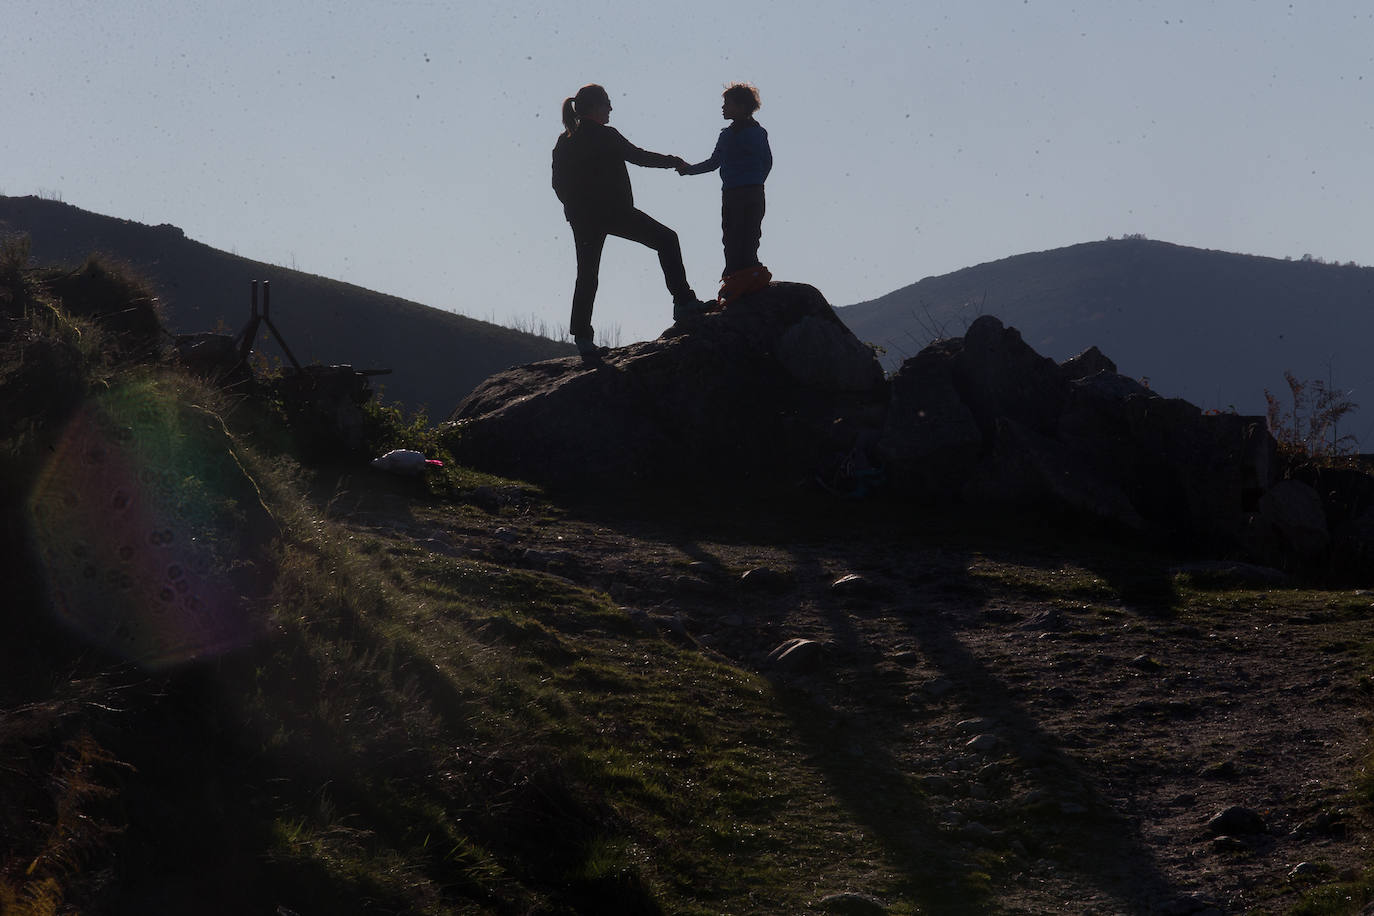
x=741, y=224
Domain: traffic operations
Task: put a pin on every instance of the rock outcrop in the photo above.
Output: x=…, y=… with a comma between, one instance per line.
x=747, y=394
x=984, y=419
x=775, y=390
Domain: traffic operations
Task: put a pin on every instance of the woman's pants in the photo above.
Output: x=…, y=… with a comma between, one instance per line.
x=637, y=226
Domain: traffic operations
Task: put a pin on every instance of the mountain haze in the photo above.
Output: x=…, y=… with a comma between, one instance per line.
x=1212, y=327
x=437, y=357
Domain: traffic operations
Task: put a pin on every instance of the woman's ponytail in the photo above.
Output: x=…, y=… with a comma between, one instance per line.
x=569, y=115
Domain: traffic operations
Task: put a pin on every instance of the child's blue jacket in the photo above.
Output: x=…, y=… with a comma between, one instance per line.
x=742, y=155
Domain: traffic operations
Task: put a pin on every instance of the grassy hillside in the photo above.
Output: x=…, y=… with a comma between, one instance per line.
x=378, y=728
x=437, y=357
x=1209, y=326
x=235, y=683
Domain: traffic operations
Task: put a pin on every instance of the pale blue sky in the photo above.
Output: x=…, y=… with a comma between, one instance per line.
x=405, y=146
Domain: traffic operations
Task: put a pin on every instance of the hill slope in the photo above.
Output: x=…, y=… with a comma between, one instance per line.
x=437, y=357
x=234, y=684
x=1212, y=327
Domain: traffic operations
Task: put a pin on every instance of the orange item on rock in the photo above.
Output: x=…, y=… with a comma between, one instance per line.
x=742, y=282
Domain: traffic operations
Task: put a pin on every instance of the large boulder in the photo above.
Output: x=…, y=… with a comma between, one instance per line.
x=986, y=420
x=930, y=437
x=1347, y=495
x=750, y=394
x=947, y=400
x=1293, y=511
x=1027, y=470
x=1189, y=472
x=999, y=375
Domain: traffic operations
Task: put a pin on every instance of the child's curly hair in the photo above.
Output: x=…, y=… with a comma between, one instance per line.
x=744, y=94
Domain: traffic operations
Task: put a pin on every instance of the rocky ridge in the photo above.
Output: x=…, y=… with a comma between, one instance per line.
x=776, y=393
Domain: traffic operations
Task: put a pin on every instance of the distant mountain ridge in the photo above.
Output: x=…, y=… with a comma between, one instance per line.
x=1213, y=327
x=436, y=357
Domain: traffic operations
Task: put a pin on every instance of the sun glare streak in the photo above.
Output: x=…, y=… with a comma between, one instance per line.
x=148, y=530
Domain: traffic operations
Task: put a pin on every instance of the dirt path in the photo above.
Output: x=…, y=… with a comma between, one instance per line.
x=1071, y=731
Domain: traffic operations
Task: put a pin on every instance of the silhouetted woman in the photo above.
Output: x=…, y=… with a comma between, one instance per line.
x=590, y=178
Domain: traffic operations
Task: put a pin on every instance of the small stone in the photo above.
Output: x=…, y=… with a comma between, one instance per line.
x=974, y=725
x=938, y=785
x=486, y=498
x=1236, y=821
x=983, y=744
x=1061, y=696
x=850, y=903
x=691, y=583
x=509, y=535
x=796, y=655
x=1046, y=621
x=977, y=833
x=1226, y=843
x=854, y=585
x=1326, y=823
x=938, y=687
x=443, y=548
x=1145, y=663
x=641, y=619
x=764, y=579
x=908, y=658
x=544, y=559
x=1224, y=770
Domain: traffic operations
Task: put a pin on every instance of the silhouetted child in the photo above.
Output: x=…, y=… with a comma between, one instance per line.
x=744, y=158
x=590, y=178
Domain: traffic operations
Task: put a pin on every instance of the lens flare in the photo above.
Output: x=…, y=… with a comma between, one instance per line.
x=151, y=536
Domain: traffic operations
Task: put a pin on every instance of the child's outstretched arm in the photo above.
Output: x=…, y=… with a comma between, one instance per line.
x=706, y=165
x=701, y=168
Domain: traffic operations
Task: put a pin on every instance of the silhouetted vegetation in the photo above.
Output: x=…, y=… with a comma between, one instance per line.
x=1307, y=425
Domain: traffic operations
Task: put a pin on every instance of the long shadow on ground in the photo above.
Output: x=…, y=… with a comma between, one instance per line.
x=1048, y=808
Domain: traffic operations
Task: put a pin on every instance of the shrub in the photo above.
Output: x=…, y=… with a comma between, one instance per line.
x=1308, y=428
